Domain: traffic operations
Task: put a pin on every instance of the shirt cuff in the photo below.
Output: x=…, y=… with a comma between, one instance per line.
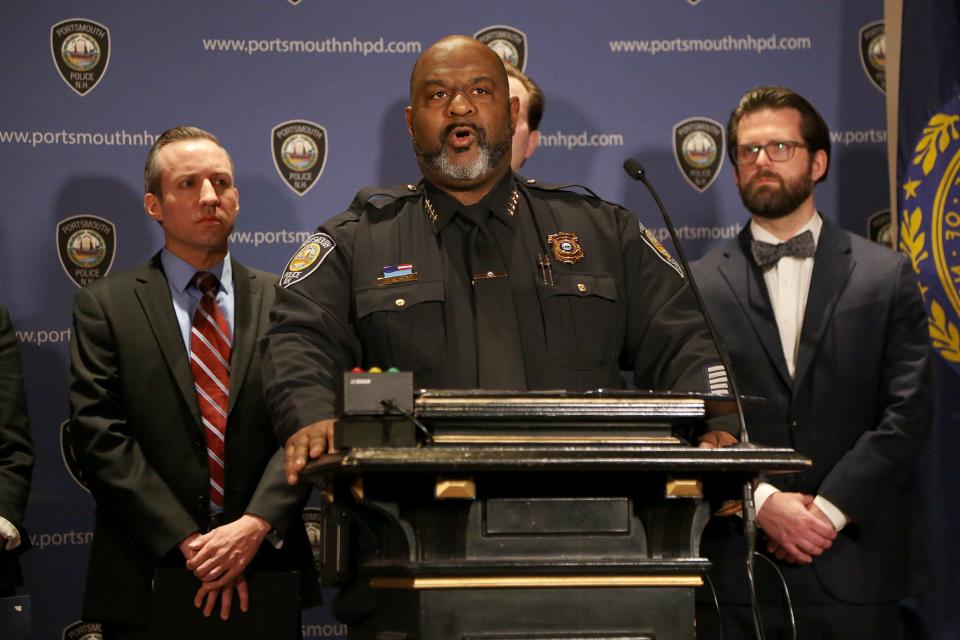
x=836, y=516
x=763, y=491
x=273, y=536
x=275, y=539
x=8, y=531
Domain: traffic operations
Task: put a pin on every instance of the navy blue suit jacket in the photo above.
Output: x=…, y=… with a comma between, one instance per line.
x=859, y=404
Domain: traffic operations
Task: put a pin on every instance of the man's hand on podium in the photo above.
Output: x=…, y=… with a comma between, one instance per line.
x=716, y=440
x=312, y=441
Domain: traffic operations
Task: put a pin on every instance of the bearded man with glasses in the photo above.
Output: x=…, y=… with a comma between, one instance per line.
x=831, y=331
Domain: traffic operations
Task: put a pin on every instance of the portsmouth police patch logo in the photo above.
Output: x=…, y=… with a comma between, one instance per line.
x=308, y=257
x=509, y=43
x=86, y=245
x=80, y=630
x=879, y=228
x=81, y=52
x=659, y=249
x=69, y=459
x=930, y=226
x=873, y=53
x=698, y=149
x=299, y=153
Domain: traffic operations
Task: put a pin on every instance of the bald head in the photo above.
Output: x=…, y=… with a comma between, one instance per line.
x=461, y=117
x=455, y=48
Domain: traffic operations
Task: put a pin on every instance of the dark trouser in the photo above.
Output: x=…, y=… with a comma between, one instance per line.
x=838, y=621
x=120, y=631
x=818, y=614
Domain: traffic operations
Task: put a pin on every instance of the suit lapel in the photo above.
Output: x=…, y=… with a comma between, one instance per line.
x=246, y=319
x=832, y=267
x=153, y=292
x=746, y=282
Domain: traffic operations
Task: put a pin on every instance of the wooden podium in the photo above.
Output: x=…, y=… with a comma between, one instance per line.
x=535, y=516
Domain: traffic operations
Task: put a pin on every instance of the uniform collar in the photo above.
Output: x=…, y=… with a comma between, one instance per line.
x=496, y=200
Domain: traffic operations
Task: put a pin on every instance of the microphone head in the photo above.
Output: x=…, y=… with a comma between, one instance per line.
x=633, y=168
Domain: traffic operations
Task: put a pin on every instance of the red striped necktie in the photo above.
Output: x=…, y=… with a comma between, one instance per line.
x=210, y=345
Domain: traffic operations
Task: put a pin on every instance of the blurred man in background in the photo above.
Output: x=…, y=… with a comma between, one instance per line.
x=526, y=137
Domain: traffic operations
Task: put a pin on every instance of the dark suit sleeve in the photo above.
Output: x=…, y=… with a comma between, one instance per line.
x=121, y=479
x=273, y=499
x=311, y=338
x=276, y=501
x=883, y=458
x=667, y=338
x=16, y=453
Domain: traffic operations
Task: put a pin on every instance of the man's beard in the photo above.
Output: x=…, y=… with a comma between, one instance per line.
x=771, y=202
x=489, y=155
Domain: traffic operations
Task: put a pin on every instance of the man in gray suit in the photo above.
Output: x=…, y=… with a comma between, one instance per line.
x=830, y=330
x=169, y=424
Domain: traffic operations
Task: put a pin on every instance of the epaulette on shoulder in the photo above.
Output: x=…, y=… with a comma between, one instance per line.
x=571, y=187
x=381, y=196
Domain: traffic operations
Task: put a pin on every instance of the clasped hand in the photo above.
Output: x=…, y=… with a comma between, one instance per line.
x=218, y=559
x=797, y=530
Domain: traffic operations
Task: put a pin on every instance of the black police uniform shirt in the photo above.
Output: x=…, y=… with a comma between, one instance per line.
x=625, y=305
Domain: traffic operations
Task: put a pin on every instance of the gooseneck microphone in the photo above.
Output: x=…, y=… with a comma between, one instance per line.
x=636, y=171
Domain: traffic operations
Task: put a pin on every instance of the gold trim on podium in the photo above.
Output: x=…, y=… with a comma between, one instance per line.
x=554, y=402
x=326, y=492
x=471, y=438
x=455, y=488
x=357, y=489
x=533, y=582
x=684, y=488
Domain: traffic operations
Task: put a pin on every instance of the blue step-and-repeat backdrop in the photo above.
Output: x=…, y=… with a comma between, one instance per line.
x=85, y=88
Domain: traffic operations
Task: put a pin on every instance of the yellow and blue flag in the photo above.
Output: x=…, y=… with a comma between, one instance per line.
x=928, y=187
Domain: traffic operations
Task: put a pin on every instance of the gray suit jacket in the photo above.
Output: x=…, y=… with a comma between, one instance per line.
x=16, y=453
x=137, y=437
x=859, y=404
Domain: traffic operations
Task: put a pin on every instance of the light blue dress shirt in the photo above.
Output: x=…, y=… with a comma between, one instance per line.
x=186, y=298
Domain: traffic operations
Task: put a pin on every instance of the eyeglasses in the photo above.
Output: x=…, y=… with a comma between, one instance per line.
x=777, y=151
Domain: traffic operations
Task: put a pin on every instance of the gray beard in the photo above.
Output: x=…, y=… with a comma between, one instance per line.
x=488, y=156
